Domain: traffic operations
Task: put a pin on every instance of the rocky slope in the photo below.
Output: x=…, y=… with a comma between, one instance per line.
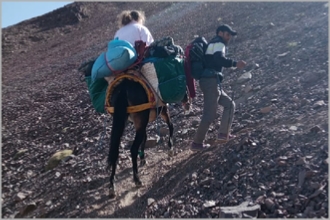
x=278, y=165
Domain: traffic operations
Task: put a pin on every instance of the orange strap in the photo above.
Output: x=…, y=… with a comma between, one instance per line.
x=136, y=108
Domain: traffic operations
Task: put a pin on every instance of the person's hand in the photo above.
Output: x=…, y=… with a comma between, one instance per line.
x=241, y=64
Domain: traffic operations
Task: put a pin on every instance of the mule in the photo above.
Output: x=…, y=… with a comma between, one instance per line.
x=131, y=93
x=126, y=94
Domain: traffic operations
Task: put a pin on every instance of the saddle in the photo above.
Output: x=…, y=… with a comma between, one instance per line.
x=134, y=73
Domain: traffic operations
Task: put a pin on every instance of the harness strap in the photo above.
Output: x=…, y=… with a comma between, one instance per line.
x=108, y=65
x=136, y=108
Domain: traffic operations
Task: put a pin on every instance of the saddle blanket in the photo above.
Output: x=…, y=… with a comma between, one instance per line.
x=149, y=72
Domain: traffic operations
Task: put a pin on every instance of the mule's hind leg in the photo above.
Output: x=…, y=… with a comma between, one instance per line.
x=165, y=114
x=140, y=120
x=134, y=152
x=117, y=131
x=112, y=160
x=141, y=153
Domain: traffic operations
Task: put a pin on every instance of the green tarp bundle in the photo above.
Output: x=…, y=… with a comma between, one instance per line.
x=171, y=78
x=97, y=92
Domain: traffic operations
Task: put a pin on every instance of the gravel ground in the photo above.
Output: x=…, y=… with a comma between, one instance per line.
x=277, y=167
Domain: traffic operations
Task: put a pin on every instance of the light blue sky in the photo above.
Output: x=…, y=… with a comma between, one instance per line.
x=13, y=12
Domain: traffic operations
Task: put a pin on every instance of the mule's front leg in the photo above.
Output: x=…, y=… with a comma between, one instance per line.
x=165, y=114
x=170, y=141
x=186, y=104
x=141, y=153
x=136, y=178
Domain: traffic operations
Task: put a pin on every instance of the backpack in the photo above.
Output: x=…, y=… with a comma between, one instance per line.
x=171, y=78
x=194, y=54
x=167, y=60
x=163, y=48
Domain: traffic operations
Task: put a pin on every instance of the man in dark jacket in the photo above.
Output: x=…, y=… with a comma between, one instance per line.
x=215, y=60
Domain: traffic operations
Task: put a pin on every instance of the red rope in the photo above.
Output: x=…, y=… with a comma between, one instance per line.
x=108, y=65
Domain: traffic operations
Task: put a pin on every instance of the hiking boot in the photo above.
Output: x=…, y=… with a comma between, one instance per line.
x=197, y=147
x=223, y=137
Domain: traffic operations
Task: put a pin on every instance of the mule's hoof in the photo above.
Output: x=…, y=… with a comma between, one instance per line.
x=112, y=194
x=138, y=183
x=142, y=162
x=170, y=153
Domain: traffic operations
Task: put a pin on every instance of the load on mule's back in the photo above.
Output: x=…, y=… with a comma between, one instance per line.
x=135, y=86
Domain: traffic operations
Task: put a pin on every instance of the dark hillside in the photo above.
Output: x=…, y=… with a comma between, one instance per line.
x=279, y=160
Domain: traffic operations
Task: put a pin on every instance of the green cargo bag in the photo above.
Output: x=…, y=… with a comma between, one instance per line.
x=97, y=92
x=171, y=78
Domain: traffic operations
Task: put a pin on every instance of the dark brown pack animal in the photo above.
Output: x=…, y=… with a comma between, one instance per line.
x=127, y=95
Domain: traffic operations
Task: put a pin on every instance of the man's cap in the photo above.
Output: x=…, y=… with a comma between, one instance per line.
x=226, y=27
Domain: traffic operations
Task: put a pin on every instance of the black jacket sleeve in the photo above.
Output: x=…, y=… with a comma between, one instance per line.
x=221, y=61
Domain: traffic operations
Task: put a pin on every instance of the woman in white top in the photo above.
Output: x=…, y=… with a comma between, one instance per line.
x=131, y=24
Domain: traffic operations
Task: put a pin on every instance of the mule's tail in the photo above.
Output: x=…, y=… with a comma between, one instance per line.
x=120, y=116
